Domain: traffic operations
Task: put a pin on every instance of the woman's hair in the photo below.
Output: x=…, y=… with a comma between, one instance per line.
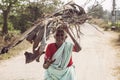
x=61, y=29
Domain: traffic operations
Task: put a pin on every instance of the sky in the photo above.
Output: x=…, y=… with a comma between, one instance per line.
x=107, y=4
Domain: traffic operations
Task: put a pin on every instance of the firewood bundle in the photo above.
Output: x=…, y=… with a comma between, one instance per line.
x=70, y=14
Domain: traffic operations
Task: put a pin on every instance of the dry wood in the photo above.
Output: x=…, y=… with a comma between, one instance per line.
x=69, y=14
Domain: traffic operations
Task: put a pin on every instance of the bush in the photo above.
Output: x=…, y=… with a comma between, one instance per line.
x=10, y=26
x=100, y=22
x=117, y=26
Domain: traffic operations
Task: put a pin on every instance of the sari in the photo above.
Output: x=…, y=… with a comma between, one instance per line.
x=59, y=70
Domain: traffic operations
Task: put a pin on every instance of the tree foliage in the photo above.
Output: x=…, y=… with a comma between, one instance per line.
x=96, y=12
x=118, y=15
x=22, y=13
x=6, y=7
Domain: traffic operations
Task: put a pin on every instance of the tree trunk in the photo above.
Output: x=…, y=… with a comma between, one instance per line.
x=5, y=20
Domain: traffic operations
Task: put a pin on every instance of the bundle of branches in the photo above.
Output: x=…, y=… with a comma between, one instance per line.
x=70, y=14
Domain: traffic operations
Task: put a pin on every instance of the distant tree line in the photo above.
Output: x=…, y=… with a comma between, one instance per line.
x=97, y=11
x=20, y=14
x=100, y=13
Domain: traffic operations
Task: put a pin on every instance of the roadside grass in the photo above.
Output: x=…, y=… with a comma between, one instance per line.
x=107, y=25
x=117, y=67
x=10, y=38
x=100, y=22
x=16, y=50
x=117, y=72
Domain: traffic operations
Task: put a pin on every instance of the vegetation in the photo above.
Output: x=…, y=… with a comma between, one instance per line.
x=102, y=17
x=100, y=22
x=15, y=51
x=96, y=12
x=116, y=45
x=22, y=13
x=16, y=16
x=6, y=6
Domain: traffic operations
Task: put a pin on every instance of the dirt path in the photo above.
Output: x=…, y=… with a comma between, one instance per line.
x=95, y=61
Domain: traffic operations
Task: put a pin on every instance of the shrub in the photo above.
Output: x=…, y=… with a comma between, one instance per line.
x=100, y=22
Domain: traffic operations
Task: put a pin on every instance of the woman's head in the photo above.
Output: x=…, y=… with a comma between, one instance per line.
x=60, y=35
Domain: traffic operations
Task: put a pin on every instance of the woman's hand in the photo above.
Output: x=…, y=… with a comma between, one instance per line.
x=77, y=46
x=66, y=28
x=47, y=63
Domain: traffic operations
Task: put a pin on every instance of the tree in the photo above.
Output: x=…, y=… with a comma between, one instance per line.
x=118, y=14
x=96, y=12
x=6, y=6
x=107, y=15
x=24, y=16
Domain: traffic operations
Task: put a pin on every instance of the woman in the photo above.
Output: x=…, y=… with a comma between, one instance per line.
x=58, y=59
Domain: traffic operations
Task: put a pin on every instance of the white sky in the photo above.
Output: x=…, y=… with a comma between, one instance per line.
x=107, y=4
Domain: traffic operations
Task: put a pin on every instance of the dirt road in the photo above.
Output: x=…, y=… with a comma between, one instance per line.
x=95, y=61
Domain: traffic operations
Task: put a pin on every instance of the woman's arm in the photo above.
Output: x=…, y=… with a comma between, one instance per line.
x=47, y=63
x=77, y=46
x=48, y=58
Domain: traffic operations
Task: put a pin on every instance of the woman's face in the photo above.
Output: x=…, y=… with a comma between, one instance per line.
x=60, y=37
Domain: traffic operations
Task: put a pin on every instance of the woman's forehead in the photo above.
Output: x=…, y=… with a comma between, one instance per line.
x=59, y=32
